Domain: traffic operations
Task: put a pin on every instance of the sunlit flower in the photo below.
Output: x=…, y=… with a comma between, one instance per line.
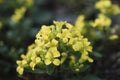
x=101, y=21
x=106, y=6
x=113, y=37
x=54, y=45
x=79, y=24
x=52, y=56
x=18, y=14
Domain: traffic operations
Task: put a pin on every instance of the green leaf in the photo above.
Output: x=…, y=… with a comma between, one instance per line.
x=50, y=69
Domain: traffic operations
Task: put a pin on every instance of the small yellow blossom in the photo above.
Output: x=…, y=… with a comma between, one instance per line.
x=106, y=7
x=56, y=62
x=35, y=61
x=84, y=57
x=59, y=25
x=65, y=35
x=18, y=14
x=64, y=56
x=20, y=70
x=72, y=60
x=79, y=24
x=21, y=66
x=113, y=37
x=51, y=56
x=77, y=46
x=32, y=65
x=101, y=21
x=23, y=56
x=52, y=43
x=103, y=4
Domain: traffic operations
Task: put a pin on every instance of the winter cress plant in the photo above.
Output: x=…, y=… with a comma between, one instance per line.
x=57, y=45
x=63, y=47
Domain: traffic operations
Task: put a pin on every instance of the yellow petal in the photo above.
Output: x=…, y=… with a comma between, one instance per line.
x=18, y=62
x=90, y=59
x=113, y=37
x=20, y=70
x=23, y=56
x=24, y=62
x=89, y=48
x=47, y=61
x=38, y=60
x=32, y=65
x=69, y=26
x=54, y=42
x=48, y=55
x=55, y=52
x=56, y=62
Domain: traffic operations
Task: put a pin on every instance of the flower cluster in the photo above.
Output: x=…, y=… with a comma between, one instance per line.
x=55, y=45
x=19, y=12
x=106, y=6
x=101, y=21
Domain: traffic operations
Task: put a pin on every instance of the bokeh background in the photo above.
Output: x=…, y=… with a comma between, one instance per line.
x=20, y=20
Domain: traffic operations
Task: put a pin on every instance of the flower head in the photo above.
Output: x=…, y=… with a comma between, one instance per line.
x=54, y=45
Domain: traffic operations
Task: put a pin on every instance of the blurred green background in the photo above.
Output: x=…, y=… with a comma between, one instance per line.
x=20, y=20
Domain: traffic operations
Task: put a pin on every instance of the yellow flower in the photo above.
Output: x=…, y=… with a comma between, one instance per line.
x=44, y=33
x=72, y=60
x=18, y=14
x=51, y=56
x=23, y=56
x=69, y=26
x=113, y=37
x=84, y=57
x=101, y=21
x=35, y=61
x=77, y=46
x=20, y=70
x=79, y=23
x=64, y=56
x=56, y=62
x=80, y=66
x=52, y=43
x=103, y=4
x=106, y=6
x=59, y=25
x=65, y=35
x=32, y=65
x=115, y=9
x=21, y=63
